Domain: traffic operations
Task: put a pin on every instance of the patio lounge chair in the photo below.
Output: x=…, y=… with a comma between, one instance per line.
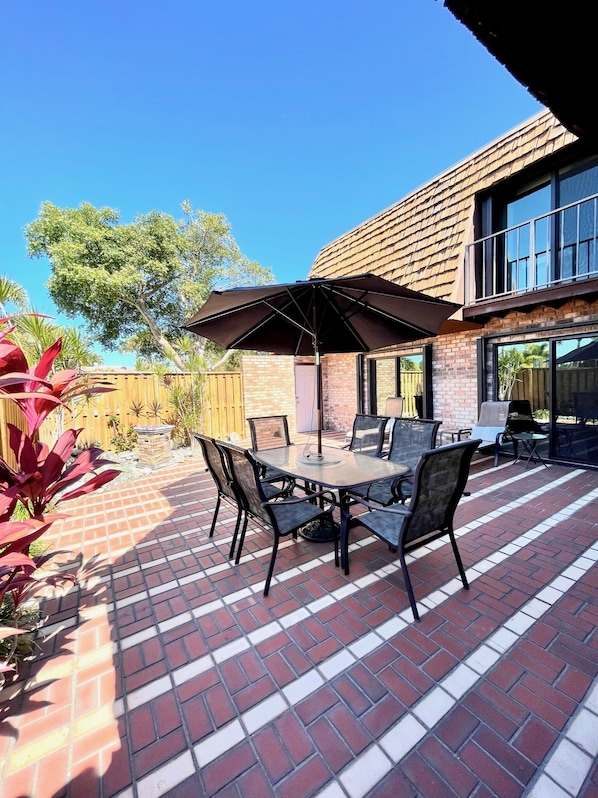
x=410, y=437
x=438, y=484
x=367, y=435
x=393, y=408
x=491, y=427
x=284, y=514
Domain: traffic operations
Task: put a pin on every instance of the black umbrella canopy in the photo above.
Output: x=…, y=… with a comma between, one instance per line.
x=587, y=352
x=319, y=316
x=348, y=314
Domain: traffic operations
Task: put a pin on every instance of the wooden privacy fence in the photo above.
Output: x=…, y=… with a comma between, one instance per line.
x=138, y=399
x=534, y=384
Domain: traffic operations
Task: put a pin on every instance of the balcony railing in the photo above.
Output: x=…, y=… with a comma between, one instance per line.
x=551, y=250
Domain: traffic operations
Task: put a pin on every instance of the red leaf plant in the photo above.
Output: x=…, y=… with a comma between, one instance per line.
x=43, y=478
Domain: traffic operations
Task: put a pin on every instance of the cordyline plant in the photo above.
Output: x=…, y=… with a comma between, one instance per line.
x=43, y=477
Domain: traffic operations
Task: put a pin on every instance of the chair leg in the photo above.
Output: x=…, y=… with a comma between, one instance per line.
x=407, y=581
x=344, y=535
x=271, y=568
x=231, y=553
x=241, y=539
x=213, y=527
x=458, y=560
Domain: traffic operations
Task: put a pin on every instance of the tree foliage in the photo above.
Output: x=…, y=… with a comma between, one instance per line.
x=136, y=284
x=35, y=332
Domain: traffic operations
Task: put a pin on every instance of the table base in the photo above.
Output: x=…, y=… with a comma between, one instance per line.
x=320, y=531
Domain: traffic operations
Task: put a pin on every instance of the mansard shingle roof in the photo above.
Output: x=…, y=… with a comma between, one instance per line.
x=420, y=240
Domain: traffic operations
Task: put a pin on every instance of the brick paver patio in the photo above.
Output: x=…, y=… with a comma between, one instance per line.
x=167, y=673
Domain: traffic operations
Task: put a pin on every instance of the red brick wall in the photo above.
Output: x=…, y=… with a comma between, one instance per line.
x=269, y=387
x=339, y=380
x=454, y=371
x=269, y=381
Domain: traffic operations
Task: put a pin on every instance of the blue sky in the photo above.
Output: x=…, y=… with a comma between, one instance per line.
x=296, y=120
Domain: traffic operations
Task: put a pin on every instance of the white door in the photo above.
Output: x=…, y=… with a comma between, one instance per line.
x=305, y=397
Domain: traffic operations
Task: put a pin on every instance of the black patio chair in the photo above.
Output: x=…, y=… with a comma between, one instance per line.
x=410, y=437
x=491, y=427
x=367, y=435
x=226, y=488
x=269, y=432
x=438, y=483
x=216, y=465
x=284, y=513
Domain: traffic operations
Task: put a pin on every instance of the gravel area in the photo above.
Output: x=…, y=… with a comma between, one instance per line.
x=131, y=469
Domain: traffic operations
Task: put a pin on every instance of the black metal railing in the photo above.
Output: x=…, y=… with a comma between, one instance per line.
x=549, y=250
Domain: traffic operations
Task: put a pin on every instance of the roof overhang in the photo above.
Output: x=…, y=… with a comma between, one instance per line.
x=549, y=49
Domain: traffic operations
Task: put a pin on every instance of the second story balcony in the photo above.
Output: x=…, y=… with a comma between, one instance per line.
x=552, y=255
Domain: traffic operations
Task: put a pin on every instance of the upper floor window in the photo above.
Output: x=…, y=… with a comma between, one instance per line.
x=540, y=235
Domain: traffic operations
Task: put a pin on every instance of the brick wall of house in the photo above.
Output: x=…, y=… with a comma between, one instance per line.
x=339, y=380
x=269, y=387
x=455, y=378
x=269, y=381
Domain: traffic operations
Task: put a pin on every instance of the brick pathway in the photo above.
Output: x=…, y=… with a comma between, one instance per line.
x=167, y=673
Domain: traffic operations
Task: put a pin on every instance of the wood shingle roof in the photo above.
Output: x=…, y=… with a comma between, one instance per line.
x=420, y=240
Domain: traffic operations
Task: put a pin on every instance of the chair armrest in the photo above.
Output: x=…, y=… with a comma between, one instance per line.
x=396, y=486
x=397, y=509
x=461, y=432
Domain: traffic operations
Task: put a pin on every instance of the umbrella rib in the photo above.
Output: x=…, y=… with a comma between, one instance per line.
x=358, y=302
x=275, y=312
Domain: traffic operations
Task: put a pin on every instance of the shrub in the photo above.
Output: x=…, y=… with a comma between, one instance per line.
x=44, y=477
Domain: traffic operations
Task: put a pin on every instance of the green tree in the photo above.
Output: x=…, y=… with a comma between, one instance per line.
x=36, y=333
x=510, y=362
x=136, y=284
x=11, y=293
x=536, y=355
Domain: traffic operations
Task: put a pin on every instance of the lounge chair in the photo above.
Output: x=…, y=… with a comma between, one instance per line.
x=491, y=427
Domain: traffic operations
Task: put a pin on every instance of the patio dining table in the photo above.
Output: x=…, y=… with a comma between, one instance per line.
x=339, y=469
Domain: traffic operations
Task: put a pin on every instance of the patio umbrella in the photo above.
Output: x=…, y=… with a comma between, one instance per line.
x=319, y=316
x=587, y=352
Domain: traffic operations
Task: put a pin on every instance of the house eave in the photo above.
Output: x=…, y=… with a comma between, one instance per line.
x=523, y=302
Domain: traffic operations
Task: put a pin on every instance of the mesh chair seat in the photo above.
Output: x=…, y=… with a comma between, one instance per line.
x=438, y=484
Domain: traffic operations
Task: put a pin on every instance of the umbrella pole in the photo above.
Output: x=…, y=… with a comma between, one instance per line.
x=319, y=399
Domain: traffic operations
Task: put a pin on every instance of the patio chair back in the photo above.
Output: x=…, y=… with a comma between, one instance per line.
x=367, y=436
x=269, y=432
x=492, y=421
x=410, y=437
x=520, y=417
x=393, y=408
x=438, y=484
x=216, y=466
x=283, y=513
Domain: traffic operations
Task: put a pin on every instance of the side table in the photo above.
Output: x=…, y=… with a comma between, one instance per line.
x=530, y=441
